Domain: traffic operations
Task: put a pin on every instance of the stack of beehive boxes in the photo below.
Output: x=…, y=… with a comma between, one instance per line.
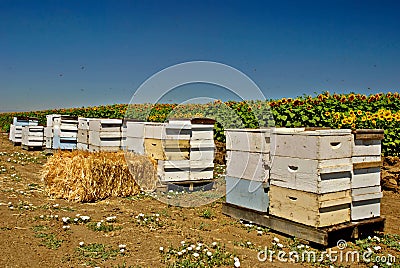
x=248, y=168
x=311, y=176
x=170, y=145
x=202, y=149
x=32, y=136
x=365, y=183
x=183, y=149
x=16, y=128
x=61, y=132
x=105, y=135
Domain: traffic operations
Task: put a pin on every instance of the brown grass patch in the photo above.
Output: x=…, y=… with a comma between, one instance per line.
x=84, y=177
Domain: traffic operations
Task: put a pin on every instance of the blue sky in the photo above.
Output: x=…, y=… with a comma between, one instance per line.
x=81, y=53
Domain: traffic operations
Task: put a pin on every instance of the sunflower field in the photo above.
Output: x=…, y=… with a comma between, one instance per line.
x=322, y=110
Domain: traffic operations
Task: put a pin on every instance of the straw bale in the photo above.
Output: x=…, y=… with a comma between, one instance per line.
x=82, y=176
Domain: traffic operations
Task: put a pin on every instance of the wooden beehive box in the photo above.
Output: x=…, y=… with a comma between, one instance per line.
x=366, y=202
x=247, y=194
x=32, y=136
x=311, y=175
x=248, y=165
x=248, y=140
x=173, y=171
x=317, y=210
x=311, y=144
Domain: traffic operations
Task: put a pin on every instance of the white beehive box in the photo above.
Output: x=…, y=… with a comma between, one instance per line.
x=202, y=132
x=366, y=177
x=367, y=142
x=16, y=134
x=247, y=194
x=32, y=136
x=316, y=176
x=12, y=132
x=173, y=171
x=201, y=170
x=311, y=144
x=48, y=132
x=167, y=149
x=105, y=138
x=105, y=125
x=202, y=150
x=248, y=165
x=317, y=210
x=25, y=121
x=50, y=118
x=366, y=202
x=248, y=140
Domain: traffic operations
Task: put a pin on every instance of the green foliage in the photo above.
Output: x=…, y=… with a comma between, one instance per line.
x=324, y=110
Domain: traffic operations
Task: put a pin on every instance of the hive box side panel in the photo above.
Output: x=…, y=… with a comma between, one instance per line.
x=246, y=165
x=247, y=194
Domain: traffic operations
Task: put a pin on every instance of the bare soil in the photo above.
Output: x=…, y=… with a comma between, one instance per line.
x=31, y=236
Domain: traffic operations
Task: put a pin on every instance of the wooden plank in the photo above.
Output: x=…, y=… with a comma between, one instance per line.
x=368, y=131
x=319, y=236
x=365, y=177
x=366, y=147
x=369, y=136
x=363, y=165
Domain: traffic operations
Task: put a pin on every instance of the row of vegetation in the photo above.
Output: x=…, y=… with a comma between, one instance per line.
x=353, y=111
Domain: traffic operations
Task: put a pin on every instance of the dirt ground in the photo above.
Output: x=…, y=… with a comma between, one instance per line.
x=33, y=234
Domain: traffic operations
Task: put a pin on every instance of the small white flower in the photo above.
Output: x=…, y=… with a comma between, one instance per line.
x=56, y=216
x=157, y=215
x=377, y=248
x=236, y=259
x=180, y=253
x=279, y=245
x=209, y=254
x=161, y=249
x=85, y=218
x=81, y=243
x=259, y=232
x=55, y=205
x=66, y=227
x=124, y=246
x=198, y=248
x=196, y=254
x=214, y=244
x=276, y=239
x=183, y=250
x=122, y=250
x=248, y=243
x=76, y=220
x=41, y=216
x=237, y=264
x=65, y=219
x=189, y=248
x=111, y=218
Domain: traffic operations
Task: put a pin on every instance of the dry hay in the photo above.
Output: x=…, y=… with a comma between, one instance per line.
x=84, y=177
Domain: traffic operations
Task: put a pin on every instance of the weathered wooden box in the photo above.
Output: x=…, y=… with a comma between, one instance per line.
x=202, y=132
x=64, y=143
x=367, y=142
x=105, y=138
x=25, y=121
x=167, y=149
x=317, y=210
x=315, y=176
x=248, y=140
x=105, y=125
x=247, y=194
x=365, y=177
x=248, y=165
x=32, y=136
x=366, y=202
x=311, y=144
x=201, y=170
x=174, y=171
